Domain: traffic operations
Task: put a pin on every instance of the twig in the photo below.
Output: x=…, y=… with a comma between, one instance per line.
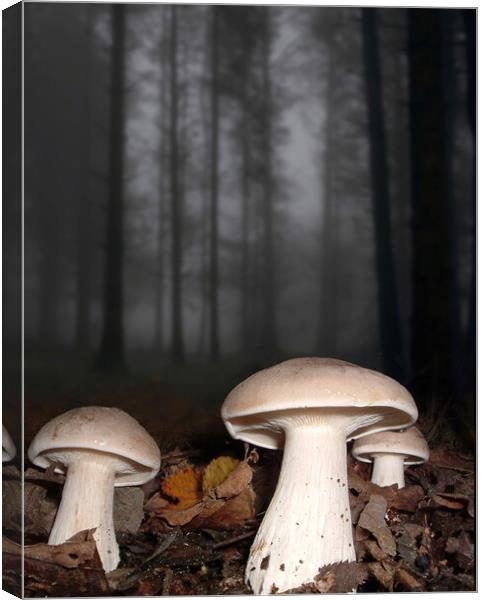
x=165, y=544
x=234, y=540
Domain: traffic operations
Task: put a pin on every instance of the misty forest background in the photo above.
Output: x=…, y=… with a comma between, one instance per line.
x=212, y=189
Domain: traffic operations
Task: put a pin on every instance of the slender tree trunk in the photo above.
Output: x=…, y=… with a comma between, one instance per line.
x=469, y=18
x=214, y=282
x=449, y=85
x=163, y=170
x=388, y=304
x=177, y=343
x=84, y=239
x=432, y=315
x=49, y=284
x=245, y=191
x=111, y=356
x=327, y=339
x=401, y=198
x=269, y=342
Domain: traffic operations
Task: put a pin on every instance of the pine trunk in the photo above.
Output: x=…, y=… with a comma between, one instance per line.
x=111, y=356
x=214, y=283
x=177, y=344
x=432, y=279
x=388, y=303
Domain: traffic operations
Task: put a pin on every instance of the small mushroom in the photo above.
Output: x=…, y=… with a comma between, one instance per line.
x=311, y=407
x=8, y=447
x=390, y=451
x=98, y=448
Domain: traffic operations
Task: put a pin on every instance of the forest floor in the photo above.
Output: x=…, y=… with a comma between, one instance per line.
x=189, y=530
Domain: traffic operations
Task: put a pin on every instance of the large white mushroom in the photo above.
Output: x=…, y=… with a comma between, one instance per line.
x=390, y=451
x=8, y=447
x=311, y=407
x=98, y=448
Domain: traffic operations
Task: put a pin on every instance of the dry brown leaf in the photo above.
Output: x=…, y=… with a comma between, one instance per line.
x=70, y=569
x=237, y=481
x=374, y=550
x=341, y=577
x=177, y=517
x=383, y=573
x=230, y=513
x=463, y=549
x=373, y=519
x=155, y=504
x=407, y=498
x=408, y=581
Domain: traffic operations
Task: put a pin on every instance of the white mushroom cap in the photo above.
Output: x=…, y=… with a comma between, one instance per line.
x=8, y=447
x=102, y=430
x=327, y=384
x=409, y=443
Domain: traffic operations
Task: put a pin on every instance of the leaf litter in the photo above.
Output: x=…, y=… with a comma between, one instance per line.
x=190, y=530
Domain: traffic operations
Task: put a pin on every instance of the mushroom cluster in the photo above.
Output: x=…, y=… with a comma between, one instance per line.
x=311, y=407
x=98, y=448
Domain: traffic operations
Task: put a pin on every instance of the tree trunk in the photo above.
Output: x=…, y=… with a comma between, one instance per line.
x=159, y=286
x=177, y=343
x=268, y=328
x=469, y=17
x=214, y=283
x=245, y=192
x=432, y=315
x=388, y=304
x=84, y=225
x=327, y=339
x=111, y=356
x=449, y=86
x=49, y=280
x=401, y=198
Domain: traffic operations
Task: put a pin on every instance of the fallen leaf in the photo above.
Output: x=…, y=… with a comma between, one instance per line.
x=340, y=578
x=408, y=581
x=383, y=573
x=70, y=569
x=184, y=487
x=236, y=482
x=178, y=517
x=374, y=550
x=407, y=499
x=463, y=549
x=373, y=519
x=39, y=509
x=455, y=502
x=231, y=513
x=217, y=471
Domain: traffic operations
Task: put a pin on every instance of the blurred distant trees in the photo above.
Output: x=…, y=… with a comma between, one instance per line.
x=253, y=182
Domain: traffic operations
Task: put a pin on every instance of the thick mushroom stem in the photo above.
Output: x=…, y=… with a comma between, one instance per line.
x=388, y=469
x=87, y=503
x=308, y=523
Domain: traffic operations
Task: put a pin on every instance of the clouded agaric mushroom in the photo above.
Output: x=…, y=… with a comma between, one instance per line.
x=390, y=451
x=8, y=447
x=311, y=406
x=99, y=448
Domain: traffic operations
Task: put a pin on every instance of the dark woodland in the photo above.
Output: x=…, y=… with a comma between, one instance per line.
x=210, y=190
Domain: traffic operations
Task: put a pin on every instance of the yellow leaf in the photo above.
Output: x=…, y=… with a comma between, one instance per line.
x=217, y=471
